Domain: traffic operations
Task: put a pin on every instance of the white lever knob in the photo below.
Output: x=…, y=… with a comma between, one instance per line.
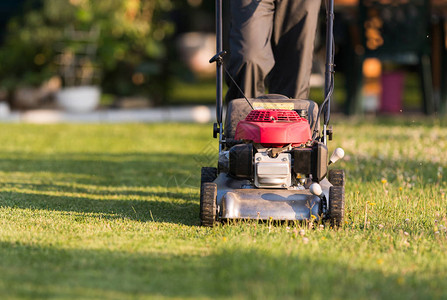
x=338, y=154
x=315, y=189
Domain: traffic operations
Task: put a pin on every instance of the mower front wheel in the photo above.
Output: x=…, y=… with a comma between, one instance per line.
x=208, y=204
x=208, y=174
x=337, y=177
x=337, y=205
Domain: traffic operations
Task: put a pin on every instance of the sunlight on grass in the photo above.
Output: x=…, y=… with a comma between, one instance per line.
x=111, y=211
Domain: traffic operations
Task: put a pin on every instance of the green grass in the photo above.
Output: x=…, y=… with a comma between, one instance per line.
x=111, y=212
x=199, y=91
x=203, y=91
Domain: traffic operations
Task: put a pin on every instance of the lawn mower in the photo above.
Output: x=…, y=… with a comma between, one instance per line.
x=273, y=156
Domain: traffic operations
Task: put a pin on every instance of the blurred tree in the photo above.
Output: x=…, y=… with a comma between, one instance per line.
x=8, y=8
x=131, y=49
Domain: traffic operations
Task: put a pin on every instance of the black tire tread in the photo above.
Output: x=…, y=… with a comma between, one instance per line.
x=337, y=205
x=208, y=204
x=337, y=177
x=208, y=174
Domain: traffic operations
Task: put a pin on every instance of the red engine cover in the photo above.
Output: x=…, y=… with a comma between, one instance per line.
x=274, y=128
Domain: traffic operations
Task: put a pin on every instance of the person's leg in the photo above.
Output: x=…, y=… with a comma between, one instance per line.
x=251, y=56
x=293, y=39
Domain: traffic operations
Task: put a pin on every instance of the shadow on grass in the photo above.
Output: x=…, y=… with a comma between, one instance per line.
x=233, y=273
x=139, y=186
x=160, y=187
x=134, y=169
x=170, y=211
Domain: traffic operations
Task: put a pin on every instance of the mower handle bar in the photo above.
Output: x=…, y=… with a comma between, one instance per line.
x=329, y=70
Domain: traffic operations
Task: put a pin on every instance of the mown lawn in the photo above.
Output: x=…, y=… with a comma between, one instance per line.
x=111, y=212
x=203, y=91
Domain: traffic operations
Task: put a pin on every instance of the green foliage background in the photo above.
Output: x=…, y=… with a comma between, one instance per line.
x=131, y=41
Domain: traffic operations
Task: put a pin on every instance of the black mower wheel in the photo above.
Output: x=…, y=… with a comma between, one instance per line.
x=208, y=174
x=337, y=177
x=336, y=205
x=208, y=204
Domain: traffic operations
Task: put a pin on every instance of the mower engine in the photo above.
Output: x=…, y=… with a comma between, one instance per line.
x=277, y=150
x=274, y=128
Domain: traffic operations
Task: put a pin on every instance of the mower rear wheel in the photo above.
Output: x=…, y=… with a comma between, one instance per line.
x=208, y=204
x=208, y=174
x=337, y=177
x=336, y=205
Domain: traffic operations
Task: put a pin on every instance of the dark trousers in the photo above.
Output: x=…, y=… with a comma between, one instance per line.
x=271, y=45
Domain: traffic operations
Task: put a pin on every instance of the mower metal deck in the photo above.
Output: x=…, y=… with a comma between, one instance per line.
x=238, y=201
